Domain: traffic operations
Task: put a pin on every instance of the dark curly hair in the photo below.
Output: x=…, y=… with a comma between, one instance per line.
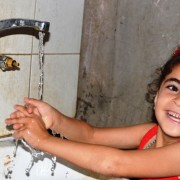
x=160, y=75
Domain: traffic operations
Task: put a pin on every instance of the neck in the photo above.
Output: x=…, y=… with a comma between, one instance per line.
x=164, y=139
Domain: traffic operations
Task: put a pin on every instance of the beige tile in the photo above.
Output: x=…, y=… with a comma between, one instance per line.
x=18, y=8
x=14, y=41
x=65, y=19
x=14, y=86
x=60, y=81
x=61, y=72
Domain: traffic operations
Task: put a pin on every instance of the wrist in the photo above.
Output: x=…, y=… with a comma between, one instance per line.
x=58, y=118
x=44, y=142
x=49, y=145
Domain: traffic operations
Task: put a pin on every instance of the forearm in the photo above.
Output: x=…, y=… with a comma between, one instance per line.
x=73, y=129
x=91, y=157
x=114, y=162
x=81, y=131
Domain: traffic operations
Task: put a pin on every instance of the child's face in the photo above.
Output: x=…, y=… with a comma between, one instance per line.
x=167, y=104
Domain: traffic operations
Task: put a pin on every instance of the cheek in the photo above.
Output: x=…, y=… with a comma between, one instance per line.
x=159, y=103
x=162, y=104
x=158, y=110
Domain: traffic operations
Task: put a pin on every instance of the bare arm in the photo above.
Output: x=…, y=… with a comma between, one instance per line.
x=77, y=130
x=121, y=137
x=159, y=162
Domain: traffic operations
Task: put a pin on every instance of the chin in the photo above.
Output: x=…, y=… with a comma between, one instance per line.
x=171, y=131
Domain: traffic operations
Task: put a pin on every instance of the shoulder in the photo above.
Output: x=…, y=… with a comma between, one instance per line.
x=143, y=128
x=135, y=133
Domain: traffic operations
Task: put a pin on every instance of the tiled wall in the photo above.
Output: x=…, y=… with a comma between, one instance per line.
x=61, y=54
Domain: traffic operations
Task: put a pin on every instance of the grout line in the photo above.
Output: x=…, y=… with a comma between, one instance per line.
x=32, y=42
x=52, y=54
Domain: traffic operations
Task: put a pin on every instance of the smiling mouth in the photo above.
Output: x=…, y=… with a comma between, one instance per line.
x=174, y=116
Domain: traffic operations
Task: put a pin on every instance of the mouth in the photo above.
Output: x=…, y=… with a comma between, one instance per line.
x=174, y=116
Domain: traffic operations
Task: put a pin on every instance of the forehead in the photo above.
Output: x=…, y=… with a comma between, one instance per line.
x=175, y=73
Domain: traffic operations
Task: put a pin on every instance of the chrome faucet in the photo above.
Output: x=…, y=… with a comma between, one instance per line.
x=6, y=62
x=19, y=23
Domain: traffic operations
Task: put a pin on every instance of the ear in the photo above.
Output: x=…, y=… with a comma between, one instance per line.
x=155, y=99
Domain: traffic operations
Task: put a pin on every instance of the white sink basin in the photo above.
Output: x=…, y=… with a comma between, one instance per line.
x=41, y=169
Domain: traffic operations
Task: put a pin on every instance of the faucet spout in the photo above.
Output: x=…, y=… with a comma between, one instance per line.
x=19, y=23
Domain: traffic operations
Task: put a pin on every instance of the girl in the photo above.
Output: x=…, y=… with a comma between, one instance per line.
x=146, y=151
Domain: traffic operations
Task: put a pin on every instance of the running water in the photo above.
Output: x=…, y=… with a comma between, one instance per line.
x=41, y=83
x=35, y=154
x=41, y=65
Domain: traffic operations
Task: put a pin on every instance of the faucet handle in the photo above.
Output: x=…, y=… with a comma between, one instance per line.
x=7, y=63
x=11, y=63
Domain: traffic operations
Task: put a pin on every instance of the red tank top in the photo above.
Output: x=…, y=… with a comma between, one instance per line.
x=149, y=135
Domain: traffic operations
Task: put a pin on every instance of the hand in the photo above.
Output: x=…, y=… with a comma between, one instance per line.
x=48, y=113
x=22, y=112
x=32, y=129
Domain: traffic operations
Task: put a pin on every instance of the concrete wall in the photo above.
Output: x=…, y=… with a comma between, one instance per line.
x=123, y=42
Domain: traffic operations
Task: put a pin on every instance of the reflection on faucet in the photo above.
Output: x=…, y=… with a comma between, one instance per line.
x=19, y=23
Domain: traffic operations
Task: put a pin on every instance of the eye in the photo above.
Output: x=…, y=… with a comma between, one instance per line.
x=172, y=88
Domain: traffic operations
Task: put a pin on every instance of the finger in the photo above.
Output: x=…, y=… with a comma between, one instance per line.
x=36, y=111
x=20, y=114
x=22, y=109
x=32, y=101
x=13, y=115
x=29, y=108
x=18, y=126
x=10, y=121
x=32, y=109
x=16, y=114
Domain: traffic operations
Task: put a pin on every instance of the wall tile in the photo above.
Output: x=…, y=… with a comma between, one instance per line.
x=14, y=41
x=61, y=71
x=14, y=86
x=65, y=19
x=60, y=81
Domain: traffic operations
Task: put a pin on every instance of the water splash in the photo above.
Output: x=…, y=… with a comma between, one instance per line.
x=41, y=82
x=35, y=154
x=15, y=149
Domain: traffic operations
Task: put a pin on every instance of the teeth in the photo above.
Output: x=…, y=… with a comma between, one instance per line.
x=174, y=116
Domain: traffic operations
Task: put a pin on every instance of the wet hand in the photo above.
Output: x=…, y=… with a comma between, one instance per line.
x=47, y=112
x=33, y=129
x=21, y=111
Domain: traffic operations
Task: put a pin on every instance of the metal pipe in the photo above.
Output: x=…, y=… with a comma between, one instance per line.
x=19, y=23
x=7, y=63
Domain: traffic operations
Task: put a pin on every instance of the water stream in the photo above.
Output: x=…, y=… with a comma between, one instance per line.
x=35, y=154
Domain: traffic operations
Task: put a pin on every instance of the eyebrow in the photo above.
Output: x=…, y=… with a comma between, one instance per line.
x=172, y=79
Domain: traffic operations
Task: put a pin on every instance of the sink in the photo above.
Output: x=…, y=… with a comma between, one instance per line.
x=40, y=170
